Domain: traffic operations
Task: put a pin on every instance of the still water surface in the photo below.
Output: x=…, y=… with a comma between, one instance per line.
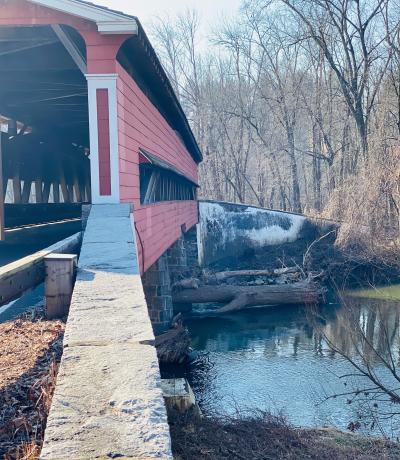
x=274, y=359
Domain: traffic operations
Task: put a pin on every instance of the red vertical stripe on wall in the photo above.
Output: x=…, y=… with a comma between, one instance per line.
x=103, y=126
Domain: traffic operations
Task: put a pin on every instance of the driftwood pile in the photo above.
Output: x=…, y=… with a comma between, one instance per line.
x=249, y=288
x=173, y=347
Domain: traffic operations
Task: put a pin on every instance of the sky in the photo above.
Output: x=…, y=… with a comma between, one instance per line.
x=146, y=10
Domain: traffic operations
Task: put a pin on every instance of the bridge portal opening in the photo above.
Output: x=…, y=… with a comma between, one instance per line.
x=44, y=125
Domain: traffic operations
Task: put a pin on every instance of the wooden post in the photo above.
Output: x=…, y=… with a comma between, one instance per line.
x=59, y=283
x=56, y=192
x=77, y=190
x=46, y=191
x=2, y=217
x=39, y=190
x=64, y=189
x=17, y=187
x=26, y=191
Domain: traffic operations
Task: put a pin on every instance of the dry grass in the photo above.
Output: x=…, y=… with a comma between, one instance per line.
x=265, y=437
x=30, y=352
x=368, y=205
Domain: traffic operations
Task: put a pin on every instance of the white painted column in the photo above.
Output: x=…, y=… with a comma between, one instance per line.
x=108, y=82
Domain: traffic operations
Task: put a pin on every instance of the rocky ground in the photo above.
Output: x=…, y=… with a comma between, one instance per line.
x=30, y=350
x=264, y=437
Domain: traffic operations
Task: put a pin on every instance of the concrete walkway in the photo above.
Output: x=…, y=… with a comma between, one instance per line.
x=108, y=401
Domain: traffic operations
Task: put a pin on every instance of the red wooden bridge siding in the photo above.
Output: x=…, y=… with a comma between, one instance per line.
x=142, y=125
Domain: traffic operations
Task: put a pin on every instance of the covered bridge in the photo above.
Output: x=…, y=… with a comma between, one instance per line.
x=87, y=115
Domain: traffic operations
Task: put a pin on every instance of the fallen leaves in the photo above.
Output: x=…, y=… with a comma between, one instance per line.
x=30, y=350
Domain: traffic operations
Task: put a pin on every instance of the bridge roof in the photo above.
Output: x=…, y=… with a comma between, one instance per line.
x=108, y=21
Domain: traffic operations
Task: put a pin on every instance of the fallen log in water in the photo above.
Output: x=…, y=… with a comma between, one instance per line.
x=240, y=297
x=221, y=276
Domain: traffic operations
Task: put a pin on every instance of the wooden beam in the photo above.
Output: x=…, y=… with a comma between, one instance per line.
x=77, y=190
x=151, y=188
x=38, y=191
x=17, y=188
x=5, y=185
x=56, y=192
x=88, y=190
x=71, y=47
x=46, y=191
x=64, y=188
x=2, y=217
x=71, y=192
x=28, y=47
x=26, y=191
x=27, y=273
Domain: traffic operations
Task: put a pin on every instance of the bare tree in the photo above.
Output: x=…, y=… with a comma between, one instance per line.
x=353, y=38
x=366, y=334
x=296, y=106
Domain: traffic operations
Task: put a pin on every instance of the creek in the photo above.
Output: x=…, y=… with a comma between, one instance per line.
x=278, y=360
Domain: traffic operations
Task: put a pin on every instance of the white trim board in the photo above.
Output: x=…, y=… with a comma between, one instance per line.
x=109, y=82
x=108, y=22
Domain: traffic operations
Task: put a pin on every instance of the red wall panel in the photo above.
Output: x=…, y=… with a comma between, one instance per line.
x=140, y=124
x=103, y=126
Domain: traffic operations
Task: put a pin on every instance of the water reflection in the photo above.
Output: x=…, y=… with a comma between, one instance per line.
x=292, y=360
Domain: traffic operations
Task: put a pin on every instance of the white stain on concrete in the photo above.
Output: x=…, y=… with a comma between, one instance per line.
x=223, y=225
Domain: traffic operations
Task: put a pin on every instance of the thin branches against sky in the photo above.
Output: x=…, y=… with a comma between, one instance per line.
x=210, y=10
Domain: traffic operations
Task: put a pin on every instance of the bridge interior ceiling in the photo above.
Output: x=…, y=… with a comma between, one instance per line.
x=43, y=116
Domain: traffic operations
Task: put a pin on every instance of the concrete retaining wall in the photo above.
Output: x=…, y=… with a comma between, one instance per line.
x=229, y=230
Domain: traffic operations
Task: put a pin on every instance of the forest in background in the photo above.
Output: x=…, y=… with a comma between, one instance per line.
x=296, y=106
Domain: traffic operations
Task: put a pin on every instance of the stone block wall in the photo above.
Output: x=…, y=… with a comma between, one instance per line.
x=157, y=289
x=176, y=263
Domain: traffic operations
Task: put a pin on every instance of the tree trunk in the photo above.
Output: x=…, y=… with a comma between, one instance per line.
x=296, y=203
x=240, y=297
x=221, y=276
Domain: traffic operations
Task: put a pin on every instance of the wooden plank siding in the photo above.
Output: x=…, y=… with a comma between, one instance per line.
x=141, y=125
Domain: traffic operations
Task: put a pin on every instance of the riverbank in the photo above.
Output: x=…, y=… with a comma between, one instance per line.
x=31, y=349
x=265, y=437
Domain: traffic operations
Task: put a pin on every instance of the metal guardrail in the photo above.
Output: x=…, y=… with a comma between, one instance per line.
x=25, y=274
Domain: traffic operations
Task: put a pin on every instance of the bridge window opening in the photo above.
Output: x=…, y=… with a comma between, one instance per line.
x=44, y=125
x=160, y=182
